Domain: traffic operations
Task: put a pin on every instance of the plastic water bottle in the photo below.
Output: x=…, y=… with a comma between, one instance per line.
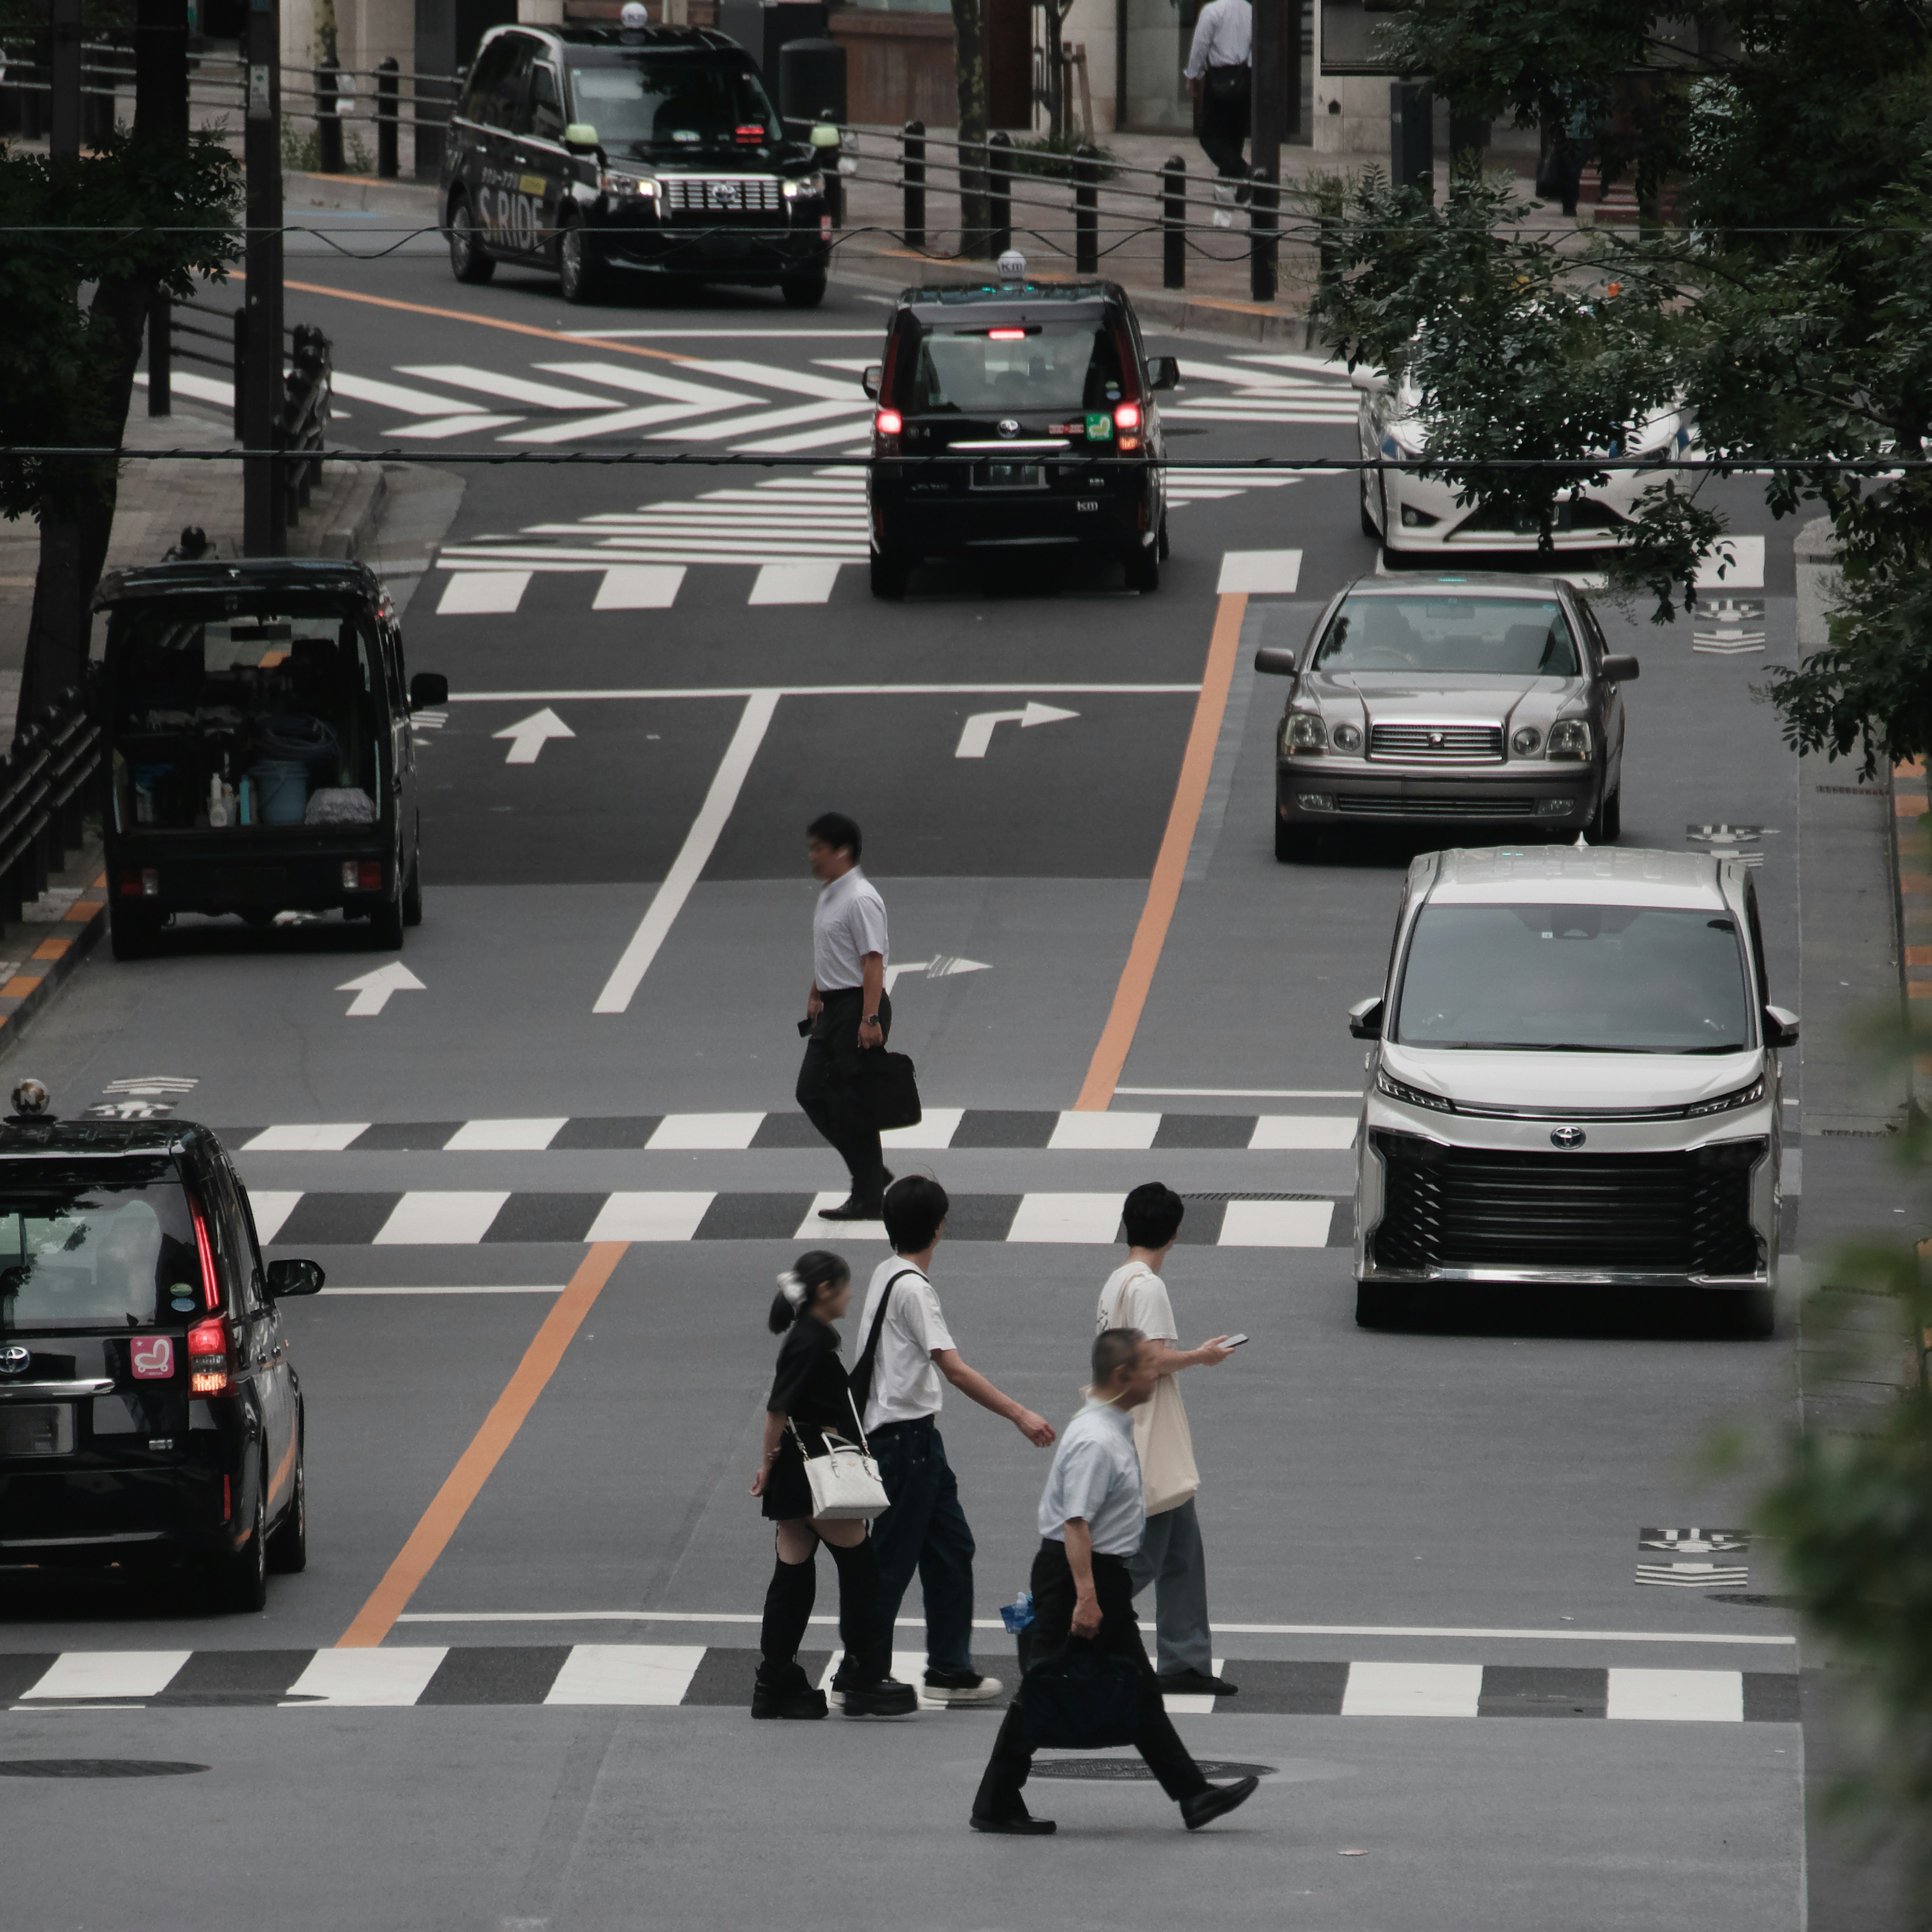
x=1019, y=1614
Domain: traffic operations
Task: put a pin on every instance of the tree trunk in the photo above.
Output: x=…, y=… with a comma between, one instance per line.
x=969, y=56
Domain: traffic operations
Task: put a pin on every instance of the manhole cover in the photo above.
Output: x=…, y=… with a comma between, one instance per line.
x=95, y=1767
x=1132, y=1771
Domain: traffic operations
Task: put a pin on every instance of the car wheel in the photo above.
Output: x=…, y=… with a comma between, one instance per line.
x=803, y=291
x=1379, y=1304
x=131, y=930
x=412, y=891
x=577, y=276
x=467, y=261
x=1291, y=842
x=242, y=1579
x=1144, y=569
x=1161, y=545
x=1752, y=1315
x=1369, y=526
x=386, y=924
x=288, y=1542
x=891, y=568
x=1613, y=816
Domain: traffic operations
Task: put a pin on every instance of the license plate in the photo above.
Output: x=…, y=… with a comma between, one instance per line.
x=36, y=1429
x=1008, y=476
x=1564, y=518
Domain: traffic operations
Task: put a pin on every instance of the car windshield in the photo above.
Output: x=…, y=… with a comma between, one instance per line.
x=77, y=1256
x=1584, y=978
x=1507, y=636
x=667, y=105
x=996, y=368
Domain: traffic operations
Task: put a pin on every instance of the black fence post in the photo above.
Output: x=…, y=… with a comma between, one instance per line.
x=328, y=121
x=241, y=365
x=1264, y=241
x=389, y=88
x=1173, y=223
x=913, y=164
x=1000, y=190
x=160, y=354
x=1087, y=209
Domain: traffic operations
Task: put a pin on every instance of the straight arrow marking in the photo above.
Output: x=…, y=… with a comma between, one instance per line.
x=372, y=990
x=977, y=738
x=528, y=736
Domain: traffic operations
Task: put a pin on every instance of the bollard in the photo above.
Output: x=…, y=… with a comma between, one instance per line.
x=1087, y=209
x=160, y=354
x=1173, y=223
x=1264, y=242
x=389, y=88
x=828, y=155
x=328, y=121
x=241, y=365
x=912, y=163
x=1000, y=191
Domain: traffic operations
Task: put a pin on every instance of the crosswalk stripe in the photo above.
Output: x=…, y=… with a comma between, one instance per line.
x=759, y=374
x=1276, y=1224
x=509, y=388
x=317, y=1137
x=1104, y=1130
x=1696, y=1697
x=652, y=382
x=650, y=1217
x=575, y=428
x=436, y=1217
x=108, y=1673
x=398, y=1676
x=1287, y=1132
x=682, y=1131
x=524, y=1136
x=626, y=1673
x=639, y=586
x=398, y=396
x=781, y=419
x=444, y=427
x=482, y=593
x=786, y=445
x=795, y=584
x=272, y=1207
x=1412, y=1690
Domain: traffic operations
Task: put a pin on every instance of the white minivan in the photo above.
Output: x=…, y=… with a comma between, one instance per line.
x=1574, y=1082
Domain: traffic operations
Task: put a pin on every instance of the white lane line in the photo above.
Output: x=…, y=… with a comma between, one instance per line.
x=650, y=1217
x=715, y=431
x=272, y=1207
x=1090, y=1218
x=504, y=1136
x=1104, y=1130
x=806, y=438
x=626, y=1673
x=1696, y=1697
x=795, y=381
x=396, y=1676
x=317, y=1137
x=936, y=1126
x=1276, y=1224
x=444, y=427
x=691, y=1132
x=1412, y=1690
x=811, y=1228
x=795, y=583
x=510, y=388
x=1280, y=1132
x=480, y=593
x=611, y=423
x=400, y=396
x=429, y=1217
x=1260, y=572
x=439, y=1288
x=107, y=1673
x=639, y=586
x=1242, y=1093
x=651, y=382
x=668, y=900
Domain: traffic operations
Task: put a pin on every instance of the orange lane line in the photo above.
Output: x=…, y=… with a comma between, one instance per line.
x=431, y=1536
x=1130, y=996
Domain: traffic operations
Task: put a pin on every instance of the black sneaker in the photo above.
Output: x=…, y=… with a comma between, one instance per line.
x=1216, y=1801
x=962, y=1686
x=882, y=1697
x=1023, y=1825
x=1194, y=1683
x=786, y=1692
x=852, y=1209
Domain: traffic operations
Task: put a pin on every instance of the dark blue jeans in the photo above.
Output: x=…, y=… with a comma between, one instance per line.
x=925, y=1530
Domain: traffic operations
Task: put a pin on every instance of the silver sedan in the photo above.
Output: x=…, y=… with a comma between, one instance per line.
x=1472, y=699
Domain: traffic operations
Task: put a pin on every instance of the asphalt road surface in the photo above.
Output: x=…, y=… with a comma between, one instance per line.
x=552, y=1173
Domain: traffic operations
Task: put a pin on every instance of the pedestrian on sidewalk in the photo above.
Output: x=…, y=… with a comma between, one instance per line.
x=810, y=1398
x=1219, y=77
x=1091, y=1516
x=1170, y=1557
x=847, y=1012
x=907, y=1355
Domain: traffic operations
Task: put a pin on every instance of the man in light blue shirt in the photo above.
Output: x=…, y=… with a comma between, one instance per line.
x=1092, y=1514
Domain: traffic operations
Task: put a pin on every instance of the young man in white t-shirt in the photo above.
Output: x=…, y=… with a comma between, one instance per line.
x=1170, y=1557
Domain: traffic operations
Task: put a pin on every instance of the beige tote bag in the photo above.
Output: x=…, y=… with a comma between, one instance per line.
x=1161, y=1434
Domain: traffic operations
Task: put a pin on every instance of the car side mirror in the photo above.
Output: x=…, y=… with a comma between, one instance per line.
x=294, y=1277
x=1621, y=670
x=427, y=689
x=1780, y=1026
x=1365, y=1019
x=1275, y=661
x=1164, y=372
x=874, y=374
x=580, y=134
x=1370, y=381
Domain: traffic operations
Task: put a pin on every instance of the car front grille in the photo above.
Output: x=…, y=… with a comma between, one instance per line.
x=1453, y=744
x=1674, y=1213
x=721, y=194
x=1391, y=805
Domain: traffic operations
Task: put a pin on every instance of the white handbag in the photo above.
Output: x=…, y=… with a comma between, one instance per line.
x=846, y=1486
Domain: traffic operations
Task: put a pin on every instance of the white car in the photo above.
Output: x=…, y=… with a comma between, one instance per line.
x=1420, y=515
x=1574, y=1083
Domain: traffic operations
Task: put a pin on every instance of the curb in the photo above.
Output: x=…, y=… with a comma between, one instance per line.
x=24, y=997
x=369, y=194
x=353, y=525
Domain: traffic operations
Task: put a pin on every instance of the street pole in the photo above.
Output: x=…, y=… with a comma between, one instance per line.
x=64, y=108
x=1264, y=151
x=264, y=513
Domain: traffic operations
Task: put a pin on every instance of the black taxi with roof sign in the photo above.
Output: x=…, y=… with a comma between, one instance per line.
x=1017, y=416
x=149, y=1407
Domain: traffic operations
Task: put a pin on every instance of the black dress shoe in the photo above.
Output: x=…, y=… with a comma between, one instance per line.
x=882, y=1697
x=1216, y=1801
x=852, y=1209
x=1023, y=1826
x=783, y=1690
x=1194, y=1683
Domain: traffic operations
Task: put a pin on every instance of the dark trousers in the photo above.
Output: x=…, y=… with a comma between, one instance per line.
x=1156, y=1740
x=830, y=1088
x=1224, y=120
x=925, y=1530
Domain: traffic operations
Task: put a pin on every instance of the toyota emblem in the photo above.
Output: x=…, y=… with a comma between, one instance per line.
x=724, y=194
x=14, y=1359
x=1009, y=427
x=1566, y=1137
x=1435, y=740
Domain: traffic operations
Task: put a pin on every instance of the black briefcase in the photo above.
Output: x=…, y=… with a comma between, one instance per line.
x=1080, y=1699
x=891, y=1089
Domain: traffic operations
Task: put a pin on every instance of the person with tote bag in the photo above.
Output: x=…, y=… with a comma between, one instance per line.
x=818, y=1484
x=1171, y=1556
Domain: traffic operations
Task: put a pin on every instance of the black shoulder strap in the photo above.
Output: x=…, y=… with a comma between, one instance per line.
x=861, y=1377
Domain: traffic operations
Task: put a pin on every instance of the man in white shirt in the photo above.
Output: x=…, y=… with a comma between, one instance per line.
x=907, y=1353
x=1091, y=1516
x=847, y=1013
x=1170, y=1556
x=1218, y=77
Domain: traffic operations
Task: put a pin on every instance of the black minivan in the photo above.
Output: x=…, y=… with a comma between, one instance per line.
x=1040, y=397
x=257, y=716
x=585, y=149
x=148, y=1407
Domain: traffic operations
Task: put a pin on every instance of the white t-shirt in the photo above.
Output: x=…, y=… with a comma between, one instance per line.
x=906, y=1383
x=1134, y=1297
x=848, y=922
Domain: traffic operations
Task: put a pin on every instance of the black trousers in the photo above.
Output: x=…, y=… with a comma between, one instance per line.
x=1120, y=1635
x=830, y=1086
x=1224, y=120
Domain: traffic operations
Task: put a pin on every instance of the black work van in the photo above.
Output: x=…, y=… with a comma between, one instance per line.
x=257, y=720
x=590, y=149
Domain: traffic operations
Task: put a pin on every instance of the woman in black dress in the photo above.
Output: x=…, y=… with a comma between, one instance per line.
x=810, y=1395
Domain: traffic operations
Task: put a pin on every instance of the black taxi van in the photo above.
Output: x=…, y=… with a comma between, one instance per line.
x=587, y=149
x=1017, y=416
x=149, y=1409
x=257, y=718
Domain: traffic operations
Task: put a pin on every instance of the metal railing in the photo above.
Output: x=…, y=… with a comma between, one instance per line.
x=47, y=784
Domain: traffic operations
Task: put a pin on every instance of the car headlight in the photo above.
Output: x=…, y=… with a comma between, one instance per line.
x=1744, y=1096
x=1413, y=1097
x=626, y=187
x=807, y=188
x=1304, y=732
x=1410, y=437
x=1570, y=739
x=1346, y=737
x=1525, y=741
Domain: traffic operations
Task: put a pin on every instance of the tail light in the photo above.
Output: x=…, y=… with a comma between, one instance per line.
x=362, y=875
x=1127, y=421
x=208, y=1357
x=227, y=1502
x=887, y=427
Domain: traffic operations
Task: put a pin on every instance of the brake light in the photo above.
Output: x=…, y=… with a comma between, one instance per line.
x=1006, y=334
x=227, y=1501
x=211, y=1288
x=888, y=424
x=1127, y=416
x=752, y=131
x=371, y=875
x=208, y=1357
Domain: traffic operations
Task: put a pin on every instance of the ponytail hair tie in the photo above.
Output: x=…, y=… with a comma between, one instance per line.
x=792, y=1288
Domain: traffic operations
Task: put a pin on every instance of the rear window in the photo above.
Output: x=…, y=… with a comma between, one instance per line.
x=663, y=106
x=77, y=1255
x=1002, y=368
